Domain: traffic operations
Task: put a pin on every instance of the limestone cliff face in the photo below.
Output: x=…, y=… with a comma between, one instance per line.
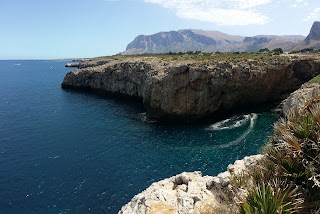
x=189, y=90
x=193, y=193
x=297, y=100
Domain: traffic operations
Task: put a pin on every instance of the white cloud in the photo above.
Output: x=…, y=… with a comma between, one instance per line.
x=222, y=12
x=302, y=1
x=313, y=15
x=297, y=3
x=244, y=4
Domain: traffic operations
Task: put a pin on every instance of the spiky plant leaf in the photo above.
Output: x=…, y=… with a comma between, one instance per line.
x=272, y=198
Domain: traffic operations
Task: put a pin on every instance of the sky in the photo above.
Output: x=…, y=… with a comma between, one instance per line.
x=50, y=29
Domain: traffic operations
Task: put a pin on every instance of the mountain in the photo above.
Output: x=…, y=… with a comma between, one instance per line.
x=314, y=33
x=312, y=40
x=271, y=42
x=207, y=41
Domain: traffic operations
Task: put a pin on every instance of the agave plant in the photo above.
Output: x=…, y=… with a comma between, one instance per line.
x=291, y=166
x=273, y=198
x=295, y=151
x=297, y=142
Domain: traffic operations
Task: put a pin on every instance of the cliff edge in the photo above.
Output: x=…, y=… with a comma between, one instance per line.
x=190, y=192
x=224, y=193
x=191, y=88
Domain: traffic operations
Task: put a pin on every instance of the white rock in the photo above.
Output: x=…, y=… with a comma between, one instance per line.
x=190, y=192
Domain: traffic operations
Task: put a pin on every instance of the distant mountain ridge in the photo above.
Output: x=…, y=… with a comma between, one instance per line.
x=213, y=41
x=312, y=40
x=314, y=33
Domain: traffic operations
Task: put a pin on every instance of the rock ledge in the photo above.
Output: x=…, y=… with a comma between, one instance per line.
x=190, y=192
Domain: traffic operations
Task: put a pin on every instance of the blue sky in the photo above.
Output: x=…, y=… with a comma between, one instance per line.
x=42, y=29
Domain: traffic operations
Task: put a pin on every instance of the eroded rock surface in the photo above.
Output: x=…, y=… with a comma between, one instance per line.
x=297, y=100
x=190, y=192
x=187, y=89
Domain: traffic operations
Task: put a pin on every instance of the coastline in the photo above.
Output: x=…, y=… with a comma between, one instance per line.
x=129, y=75
x=223, y=193
x=192, y=89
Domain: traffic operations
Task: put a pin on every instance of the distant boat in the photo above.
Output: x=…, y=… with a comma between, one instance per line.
x=17, y=64
x=69, y=65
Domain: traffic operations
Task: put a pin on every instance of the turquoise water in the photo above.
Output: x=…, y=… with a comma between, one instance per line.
x=72, y=152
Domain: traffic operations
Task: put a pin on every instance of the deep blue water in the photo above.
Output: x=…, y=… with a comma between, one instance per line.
x=73, y=152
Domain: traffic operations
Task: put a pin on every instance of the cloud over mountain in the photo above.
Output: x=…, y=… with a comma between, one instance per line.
x=221, y=12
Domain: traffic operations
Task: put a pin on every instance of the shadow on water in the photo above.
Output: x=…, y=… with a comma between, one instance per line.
x=134, y=105
x=127, y=102
x=68, y=151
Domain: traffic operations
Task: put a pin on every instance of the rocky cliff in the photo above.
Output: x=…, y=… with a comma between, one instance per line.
x=207, y=41
x=308, y=92
x=187, y=88
x=194, y=193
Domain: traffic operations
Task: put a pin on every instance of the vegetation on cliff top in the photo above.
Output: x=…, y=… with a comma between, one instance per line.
x=292, y=160
x=199, y=57
x=316, y=79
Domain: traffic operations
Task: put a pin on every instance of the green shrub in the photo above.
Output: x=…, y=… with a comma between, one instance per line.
x=295, y=152
x=315, y=79
x=277, y=51
x=297, y=141
x=292, y=159
x=272, y=198
x=264, y=50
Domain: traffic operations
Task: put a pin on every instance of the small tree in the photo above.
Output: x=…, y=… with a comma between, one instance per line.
x=264, y=50
x=277, y=51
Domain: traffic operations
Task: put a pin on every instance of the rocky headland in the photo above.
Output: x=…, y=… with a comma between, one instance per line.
x=190, y=192
x=194, y=88
x=188, y=88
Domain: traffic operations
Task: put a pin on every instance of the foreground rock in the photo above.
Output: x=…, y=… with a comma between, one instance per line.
x=191, y=89
x=194, y=193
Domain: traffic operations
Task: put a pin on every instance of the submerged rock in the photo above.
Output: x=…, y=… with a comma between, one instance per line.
x=188, y=89
x=190, y=192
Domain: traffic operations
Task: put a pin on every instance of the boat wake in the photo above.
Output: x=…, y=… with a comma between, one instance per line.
x=231, y=123
x=253, y=118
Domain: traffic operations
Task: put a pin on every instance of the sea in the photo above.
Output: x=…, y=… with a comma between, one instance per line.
x=66, y=151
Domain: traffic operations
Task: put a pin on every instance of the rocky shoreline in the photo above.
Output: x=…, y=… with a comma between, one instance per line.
x=236, y=84
x=190, y=89
x=190, y=192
